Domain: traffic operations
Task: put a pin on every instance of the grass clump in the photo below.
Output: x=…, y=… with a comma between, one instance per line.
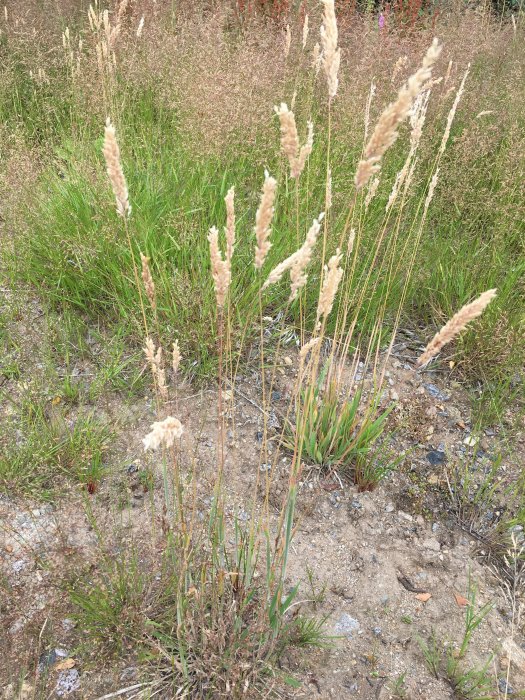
x=51, y=451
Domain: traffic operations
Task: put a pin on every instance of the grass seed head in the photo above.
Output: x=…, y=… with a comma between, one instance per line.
x=263, y=220
x=230, y=223
x=220, y=268
x=163, y=433
x=333, y=275
x=385, y=132
x=331, y=54
x=456, y=324
x=114, y=168
x=147, y=278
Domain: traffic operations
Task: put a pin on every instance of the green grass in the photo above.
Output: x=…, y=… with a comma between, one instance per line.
x=47, y=451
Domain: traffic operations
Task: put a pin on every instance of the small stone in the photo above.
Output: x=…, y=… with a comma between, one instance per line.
x=432, y=544
x=259, y=436
x=346, y=626
x=436, y=457
x=436, y=392
x=276, y=395
x=17, y=626
x=128, y=674
x=405, y=516
x=377, y=631
x=505, y=687
x=288, y=361
x=390, y=508
x=470, y=441
x=67, y=682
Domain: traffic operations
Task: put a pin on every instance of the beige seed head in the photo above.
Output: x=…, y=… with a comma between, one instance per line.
x=149, y=285
x=296, y=262
x=163, y=433
x=308, y=346
x=114, y=169
x=351, y=241
x=298, y=276
x=456, y=324
x=331, y=54
x=452, y=112
x=328, y=193
x=385, y=132
x=333, y=275
x=305, y=30
x=316, y=58
x=220, y=268
x=287, y=41
x=263, y=219
x=290, y=140
x=149, y=351
x=176, y=357
x=230, y=223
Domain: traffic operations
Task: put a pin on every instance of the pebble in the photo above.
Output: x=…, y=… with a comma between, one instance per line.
x=346, y=626
x=436, y=392
x=67, y=682
x=405, y=516
x=505, y=687
x=470, y=441
x=436, y=457
x=390, y=508
x=432, y=544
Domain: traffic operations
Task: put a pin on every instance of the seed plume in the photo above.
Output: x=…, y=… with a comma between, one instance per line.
x=331, y=54
x=163, y=433
x=290, y=140
x=385, y=132
x=456, y=324
x=263, y=219
x=333, y=275
x=114, y=168
x=147, y=278
x=230, y=223
x=220, y=268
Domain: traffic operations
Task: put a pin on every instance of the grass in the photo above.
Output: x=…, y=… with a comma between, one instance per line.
x=447, y=661
x=207, y=602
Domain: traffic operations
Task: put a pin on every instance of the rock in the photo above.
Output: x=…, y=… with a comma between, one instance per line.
x=436, y=457
x=67, y=682
x=346, y=626
x=470, y=441
x=405, y=516
x=17, y=626
x=436, y=392
x=432, y=544
x=505, y=687
x=128, y=674
x=390, y=508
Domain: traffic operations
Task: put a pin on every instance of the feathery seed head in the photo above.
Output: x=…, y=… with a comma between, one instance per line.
x=230, y=223
x=331, y=54
x=385, y=132
x=147, y=278
x=263, y=219
x=333, y=275
x=456, y=324
x=290, y=140
x=114, y=168
x=305, y=30
x=163, y=433
x=220, y=268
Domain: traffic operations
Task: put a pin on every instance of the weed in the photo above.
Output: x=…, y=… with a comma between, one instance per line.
x=448, y=661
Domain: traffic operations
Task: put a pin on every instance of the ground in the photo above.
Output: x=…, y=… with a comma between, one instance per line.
x=384, y=567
